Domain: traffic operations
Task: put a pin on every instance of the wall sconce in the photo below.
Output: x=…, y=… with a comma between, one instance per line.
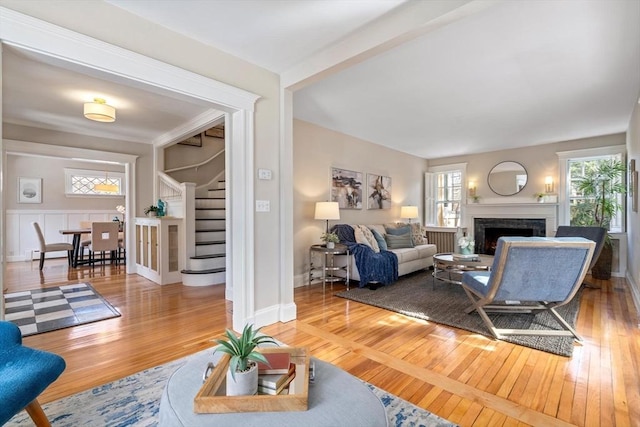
x=548, y=184
x=472, y=189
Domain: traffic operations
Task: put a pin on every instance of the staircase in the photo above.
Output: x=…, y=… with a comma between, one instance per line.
x=207, y=267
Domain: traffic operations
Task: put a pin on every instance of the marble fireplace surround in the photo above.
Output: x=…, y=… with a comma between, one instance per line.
x=513, y=209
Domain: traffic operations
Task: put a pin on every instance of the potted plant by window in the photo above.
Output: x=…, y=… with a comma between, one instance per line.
x=330, y=239
x=242, y=377
x=601, y=188
x=151, y=210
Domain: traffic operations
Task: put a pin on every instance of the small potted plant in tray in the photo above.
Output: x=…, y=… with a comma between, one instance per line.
x=330, y=239
x=242, y=377
x=151, y=210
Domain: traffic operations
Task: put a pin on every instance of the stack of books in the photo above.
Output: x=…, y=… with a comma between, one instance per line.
x=275, y=378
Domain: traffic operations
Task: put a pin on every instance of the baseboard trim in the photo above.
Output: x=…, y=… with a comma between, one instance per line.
x=635, y=294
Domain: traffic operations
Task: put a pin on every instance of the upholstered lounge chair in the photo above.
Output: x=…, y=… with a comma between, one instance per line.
x=530, y=274
x=24, y=374
x=596, y=234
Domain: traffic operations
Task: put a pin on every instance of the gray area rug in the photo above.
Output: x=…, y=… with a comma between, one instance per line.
x=419, y=295
x=135, y=401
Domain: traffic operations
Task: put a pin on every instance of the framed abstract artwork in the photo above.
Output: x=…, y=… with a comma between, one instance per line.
x=29, y=190
x=378, y=191
x=346, y=188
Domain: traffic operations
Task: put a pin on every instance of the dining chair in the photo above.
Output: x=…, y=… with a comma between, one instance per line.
x=51, y=247
x=85, y=239
x=104, y=238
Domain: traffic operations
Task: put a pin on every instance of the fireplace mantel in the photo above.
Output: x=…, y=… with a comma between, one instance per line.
x=548, y=211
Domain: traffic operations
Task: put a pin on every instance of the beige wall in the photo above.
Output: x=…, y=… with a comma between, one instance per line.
x=113, y=25
x=315, y=151
x=53, y=184
x=539, y=161
x=144, y=163
x=633, y=218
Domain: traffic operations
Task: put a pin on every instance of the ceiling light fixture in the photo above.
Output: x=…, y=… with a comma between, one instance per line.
x=99, y=111
x=105, y=187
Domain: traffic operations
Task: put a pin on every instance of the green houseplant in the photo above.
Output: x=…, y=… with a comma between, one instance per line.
x=330, y=239
x=601, y=187
x=242, y=377
x=151, y=210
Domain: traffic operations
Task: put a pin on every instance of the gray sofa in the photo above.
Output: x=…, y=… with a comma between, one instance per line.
x=410, y=259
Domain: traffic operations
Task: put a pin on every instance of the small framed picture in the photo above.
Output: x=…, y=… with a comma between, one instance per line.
x=379, y=191
x=29, y=190
x=346, y=188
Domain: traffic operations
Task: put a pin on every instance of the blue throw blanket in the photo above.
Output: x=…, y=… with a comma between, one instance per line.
x=379, y=267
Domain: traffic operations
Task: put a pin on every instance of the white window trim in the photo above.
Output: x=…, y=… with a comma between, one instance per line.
x=430, y=190
x=564, y=216
x=69, y=172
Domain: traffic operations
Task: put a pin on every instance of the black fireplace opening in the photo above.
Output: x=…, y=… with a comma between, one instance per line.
x=488, y=230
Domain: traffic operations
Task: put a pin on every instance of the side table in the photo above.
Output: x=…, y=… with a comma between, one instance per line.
x=328, y=267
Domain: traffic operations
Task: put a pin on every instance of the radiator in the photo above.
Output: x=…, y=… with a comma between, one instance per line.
x=445, y=241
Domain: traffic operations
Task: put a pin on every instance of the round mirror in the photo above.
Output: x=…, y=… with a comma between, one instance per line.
x=507, y=178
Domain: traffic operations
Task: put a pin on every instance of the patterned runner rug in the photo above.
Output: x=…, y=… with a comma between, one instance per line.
x=135, y=401
x=48, y=309
x=419, y=295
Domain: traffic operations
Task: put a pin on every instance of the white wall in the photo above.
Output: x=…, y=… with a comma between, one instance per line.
x=633, y=218
x=315, y=151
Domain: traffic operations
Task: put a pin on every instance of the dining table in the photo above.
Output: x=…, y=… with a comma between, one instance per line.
x=77, y=233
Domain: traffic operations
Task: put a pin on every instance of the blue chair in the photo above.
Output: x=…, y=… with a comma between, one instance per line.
x=24, y=374
x=530, y=274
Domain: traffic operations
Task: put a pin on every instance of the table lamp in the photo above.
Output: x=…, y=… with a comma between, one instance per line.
x=327, y=211
x=409, y=212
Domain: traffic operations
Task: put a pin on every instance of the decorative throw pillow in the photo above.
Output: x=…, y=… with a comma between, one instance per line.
x=399, y=241
x=360, y=236
x=397, y=230
x=416, y=234
x=372, y=242
x=382, y=244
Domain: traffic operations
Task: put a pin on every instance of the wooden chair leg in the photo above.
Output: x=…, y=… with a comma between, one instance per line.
x=37, y=414
x=41, y=260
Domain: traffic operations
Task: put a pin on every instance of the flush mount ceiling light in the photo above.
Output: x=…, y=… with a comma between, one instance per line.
x=99, y=111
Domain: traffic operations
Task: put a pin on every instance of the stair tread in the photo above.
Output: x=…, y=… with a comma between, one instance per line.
x=210, y=198
x=209, y=230
x=208, y=256
x=212, y=270
x=210, y=209
x=210, y=242
x=210, y=219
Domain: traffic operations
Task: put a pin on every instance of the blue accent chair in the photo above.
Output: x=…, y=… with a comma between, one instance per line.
x=530, y=274
x=24, y=374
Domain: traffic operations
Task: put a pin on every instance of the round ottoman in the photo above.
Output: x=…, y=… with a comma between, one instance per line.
x=336, y=398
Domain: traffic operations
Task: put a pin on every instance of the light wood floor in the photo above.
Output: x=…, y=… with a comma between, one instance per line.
x=464, y=377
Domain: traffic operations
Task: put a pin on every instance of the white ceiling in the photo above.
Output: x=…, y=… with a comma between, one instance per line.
x=510, y=75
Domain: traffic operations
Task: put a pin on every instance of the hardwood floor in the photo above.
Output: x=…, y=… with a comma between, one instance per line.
x=466, y=378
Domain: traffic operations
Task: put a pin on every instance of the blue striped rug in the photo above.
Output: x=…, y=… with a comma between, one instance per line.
x=135, y=401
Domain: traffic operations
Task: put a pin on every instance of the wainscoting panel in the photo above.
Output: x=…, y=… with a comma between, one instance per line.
x=22, y=241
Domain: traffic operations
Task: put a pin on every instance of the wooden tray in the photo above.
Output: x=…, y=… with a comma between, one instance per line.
x=211, y=398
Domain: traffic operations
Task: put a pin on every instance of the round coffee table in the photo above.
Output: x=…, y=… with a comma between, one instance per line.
x=449, y=269
x=336, y=398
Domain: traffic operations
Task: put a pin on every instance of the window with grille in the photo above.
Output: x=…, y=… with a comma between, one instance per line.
x=444, y=188
x=575, y=208
x=80, y=182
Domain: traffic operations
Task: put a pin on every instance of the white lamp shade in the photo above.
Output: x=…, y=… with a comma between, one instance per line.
x=409, y=212
x=327, y=210
x=99, y=111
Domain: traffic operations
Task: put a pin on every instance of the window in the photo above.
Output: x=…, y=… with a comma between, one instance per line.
x=81, y=182
x=444, y=187
x=576, y=209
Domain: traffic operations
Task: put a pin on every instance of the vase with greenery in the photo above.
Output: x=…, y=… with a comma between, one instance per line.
x=330, y=239
x=601, y=187
x=151, y=210
x=242, y=377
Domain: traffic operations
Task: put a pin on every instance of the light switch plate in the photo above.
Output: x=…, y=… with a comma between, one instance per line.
x=263, y=206
x=264, y=174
